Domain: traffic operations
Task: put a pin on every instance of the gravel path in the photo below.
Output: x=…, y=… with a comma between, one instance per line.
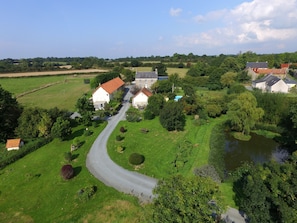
x=103, y=168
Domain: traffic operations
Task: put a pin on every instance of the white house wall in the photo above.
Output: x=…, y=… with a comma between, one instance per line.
x=140, y=100
x=100, y=97
x=280, y=86
x=260, y=85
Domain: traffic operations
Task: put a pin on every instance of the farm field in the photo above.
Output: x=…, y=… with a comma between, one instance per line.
x=48, y=91
x=32, y=190
x=52, y=73
x=180, y=71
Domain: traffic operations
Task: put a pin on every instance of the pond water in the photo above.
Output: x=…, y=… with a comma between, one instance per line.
x=258, y=150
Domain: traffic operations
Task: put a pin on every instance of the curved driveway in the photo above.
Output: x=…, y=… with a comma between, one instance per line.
x=129, y=182
x=103, y=168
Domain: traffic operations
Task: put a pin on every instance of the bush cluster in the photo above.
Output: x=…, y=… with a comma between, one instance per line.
x=136, y=159
x=119, y=138
x=85, y=194
x=67, y=172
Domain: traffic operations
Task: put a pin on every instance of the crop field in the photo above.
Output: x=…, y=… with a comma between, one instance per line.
x=180, y=71
x=52, y=73
x=48, y=91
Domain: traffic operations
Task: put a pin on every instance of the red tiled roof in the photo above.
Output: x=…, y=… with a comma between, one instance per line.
x=285, y=65
x=270, y=71
x=13, y=143
x=146, y=92
x=112, y=85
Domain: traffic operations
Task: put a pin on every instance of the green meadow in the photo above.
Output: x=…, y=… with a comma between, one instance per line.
x=48, y=91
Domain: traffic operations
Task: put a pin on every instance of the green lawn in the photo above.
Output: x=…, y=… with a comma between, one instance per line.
x=32, y=190
x=160, y=147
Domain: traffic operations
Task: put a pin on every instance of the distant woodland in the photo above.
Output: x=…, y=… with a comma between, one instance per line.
x=176, y=60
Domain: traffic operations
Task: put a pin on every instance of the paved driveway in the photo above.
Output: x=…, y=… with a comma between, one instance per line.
x=103, y=168
x=130, y=182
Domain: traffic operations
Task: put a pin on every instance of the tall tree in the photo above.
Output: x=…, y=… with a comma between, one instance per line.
x=85, y=108
x=155, y=104
x=181, y=199
x=243, y=112
x=172, y=116
x=61, y=128
x=227, y=79
x=267, y=193
x=10, y=111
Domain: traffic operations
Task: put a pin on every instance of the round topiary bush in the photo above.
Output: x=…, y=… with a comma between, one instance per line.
x=136, y=159
x=67, y=172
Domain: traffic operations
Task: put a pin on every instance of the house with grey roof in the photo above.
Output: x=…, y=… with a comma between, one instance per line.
x=271, y=84
x=255, y=65
x=146, y=79
x=291, y=83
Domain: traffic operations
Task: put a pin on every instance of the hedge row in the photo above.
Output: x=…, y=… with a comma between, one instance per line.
x=26, y=149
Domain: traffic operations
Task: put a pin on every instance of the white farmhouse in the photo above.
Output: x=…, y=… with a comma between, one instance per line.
x=271, y=84
x=140, y=100
x=105, y=92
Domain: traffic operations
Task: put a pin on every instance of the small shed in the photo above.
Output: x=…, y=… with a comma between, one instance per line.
x=14, y=144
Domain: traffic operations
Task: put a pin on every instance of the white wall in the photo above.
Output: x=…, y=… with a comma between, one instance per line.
x=140, y=100
x=100, y=95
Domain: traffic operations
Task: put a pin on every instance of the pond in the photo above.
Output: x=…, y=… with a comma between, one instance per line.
x=258, y=149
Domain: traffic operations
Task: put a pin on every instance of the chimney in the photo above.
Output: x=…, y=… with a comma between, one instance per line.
x=156, y=71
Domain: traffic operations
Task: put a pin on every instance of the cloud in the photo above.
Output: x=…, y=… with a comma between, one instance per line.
x=247, y=23
x=175, y=12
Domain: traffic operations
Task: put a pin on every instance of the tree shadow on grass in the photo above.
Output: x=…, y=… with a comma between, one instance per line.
x=77, y=170
x=74, y=156
x=76, y=133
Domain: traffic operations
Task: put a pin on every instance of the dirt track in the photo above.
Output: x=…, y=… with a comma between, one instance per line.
x=45, y=73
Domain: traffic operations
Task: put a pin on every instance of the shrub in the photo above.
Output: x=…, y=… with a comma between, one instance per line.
x=85, y=194
x=67, y=172
x=87, y=132
x=144, y=130
x=120, y=149
x=76, y=142
x=136, y=159
x=68, y=156
x=122, y=129
x=119, y=138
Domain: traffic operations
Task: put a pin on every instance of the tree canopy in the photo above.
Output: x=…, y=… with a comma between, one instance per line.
x=181, y=199
x=267, y=193
x=243, y=112
x=10, y=111
x=172, y=116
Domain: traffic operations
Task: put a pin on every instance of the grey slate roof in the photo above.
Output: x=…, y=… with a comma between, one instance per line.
x=151, y=74
x=256, y=65
x=269, y=79
x=290, y=81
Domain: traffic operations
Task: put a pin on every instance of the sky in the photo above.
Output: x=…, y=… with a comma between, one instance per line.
x=133, y=28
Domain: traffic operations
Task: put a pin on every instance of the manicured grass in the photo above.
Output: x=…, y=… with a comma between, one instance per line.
x=32, y=190
x=161, y=147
